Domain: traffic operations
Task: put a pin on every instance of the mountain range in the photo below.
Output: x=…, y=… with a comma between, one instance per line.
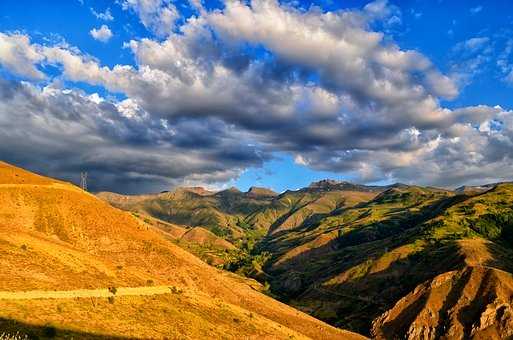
x=398, y=261
x=333, y=260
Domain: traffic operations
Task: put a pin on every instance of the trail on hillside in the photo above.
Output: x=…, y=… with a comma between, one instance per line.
x=61, y=186
x=86, y=293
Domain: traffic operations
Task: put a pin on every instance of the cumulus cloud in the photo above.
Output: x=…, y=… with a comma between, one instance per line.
x=102, y=34
x=19, y=56
x=230, y=87
x=158, y=16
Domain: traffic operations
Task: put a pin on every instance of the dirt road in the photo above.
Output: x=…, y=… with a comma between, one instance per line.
x=84, y=293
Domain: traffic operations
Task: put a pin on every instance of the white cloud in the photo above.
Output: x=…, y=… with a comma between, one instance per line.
x=158, y=16
x=102, y=34
x=106, y=16
x=470, y=58
x=18, y=55
x=472, y=44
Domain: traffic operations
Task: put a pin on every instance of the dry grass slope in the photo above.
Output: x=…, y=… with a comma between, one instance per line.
x=53, y=236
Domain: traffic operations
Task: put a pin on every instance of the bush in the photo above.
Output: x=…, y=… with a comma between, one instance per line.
x=49, y=331
x=111, y=299
x=175, y=290
x=113, y=290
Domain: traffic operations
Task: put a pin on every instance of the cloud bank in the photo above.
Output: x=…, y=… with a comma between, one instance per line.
x=231, y=87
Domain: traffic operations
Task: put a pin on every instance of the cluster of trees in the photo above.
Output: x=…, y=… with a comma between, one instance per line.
x=496, y=226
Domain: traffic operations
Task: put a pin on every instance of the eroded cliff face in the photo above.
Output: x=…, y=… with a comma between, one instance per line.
x=471, y=303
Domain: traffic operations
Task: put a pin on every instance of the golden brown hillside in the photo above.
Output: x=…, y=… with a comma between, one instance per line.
x=54, y=236
x=204, y=237
x=472, y=303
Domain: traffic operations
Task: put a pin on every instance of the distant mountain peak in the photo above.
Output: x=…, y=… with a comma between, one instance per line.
x=230, y=190
x=330, y=184
x=195, y=190
x=326, y=182
x=259, y=191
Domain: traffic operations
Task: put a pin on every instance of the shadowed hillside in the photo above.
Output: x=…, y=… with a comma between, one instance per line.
x=54, y=236
x=380, y=257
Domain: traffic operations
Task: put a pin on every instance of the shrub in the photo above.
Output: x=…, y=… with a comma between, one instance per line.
x=113, y=290
x=175, y=290
x=49, y=331
x=111, y=299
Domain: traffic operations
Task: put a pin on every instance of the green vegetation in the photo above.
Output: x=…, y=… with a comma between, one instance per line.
x=498, y=226
x=372, y=254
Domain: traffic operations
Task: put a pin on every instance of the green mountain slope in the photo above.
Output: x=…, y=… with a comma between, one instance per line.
x=222, y=213
x=370, y=256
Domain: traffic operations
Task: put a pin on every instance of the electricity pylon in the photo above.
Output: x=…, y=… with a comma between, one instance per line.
x=83, y=180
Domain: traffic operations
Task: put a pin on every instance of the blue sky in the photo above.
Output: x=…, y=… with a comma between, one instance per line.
x=309, y=120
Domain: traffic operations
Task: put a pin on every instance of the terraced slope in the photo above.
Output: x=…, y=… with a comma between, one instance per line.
x=54, y=236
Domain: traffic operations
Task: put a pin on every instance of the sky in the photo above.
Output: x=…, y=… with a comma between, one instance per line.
x=147, y=95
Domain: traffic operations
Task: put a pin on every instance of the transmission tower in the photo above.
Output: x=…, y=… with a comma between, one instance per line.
x=83, y=180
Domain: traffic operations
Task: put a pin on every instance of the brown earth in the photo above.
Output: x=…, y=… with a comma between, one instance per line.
x=474, y=302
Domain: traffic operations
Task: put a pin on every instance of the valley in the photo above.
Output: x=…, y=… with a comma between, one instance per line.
x=375, y=260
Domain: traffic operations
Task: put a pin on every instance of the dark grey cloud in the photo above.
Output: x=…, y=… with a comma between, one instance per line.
x=63, y=132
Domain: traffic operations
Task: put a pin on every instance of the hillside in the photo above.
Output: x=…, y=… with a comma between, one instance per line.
x=385, y=261
x=292, y=208
x=241, y=218
x=222, y=213
x=381, y=261
x=54, y=236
